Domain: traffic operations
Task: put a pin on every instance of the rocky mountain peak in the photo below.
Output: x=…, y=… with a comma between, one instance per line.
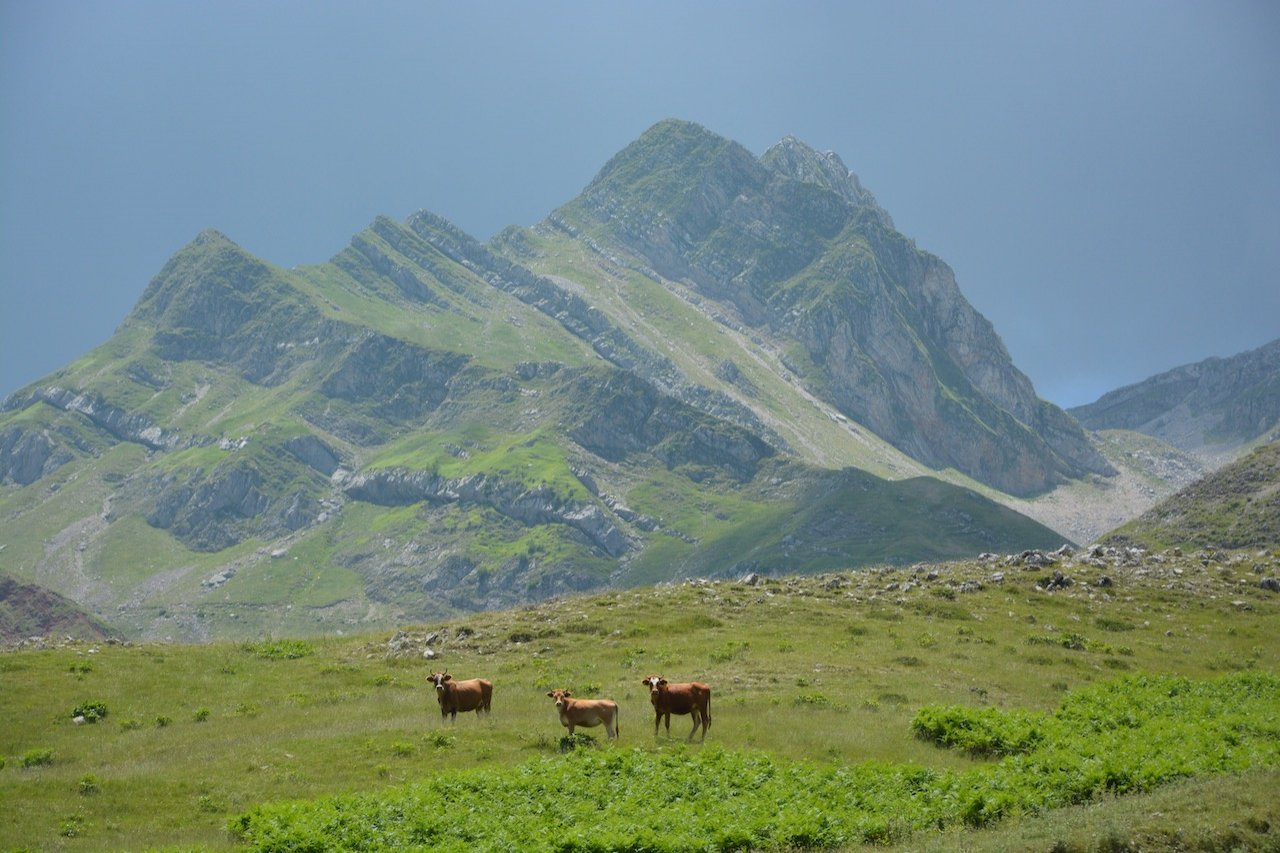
x=795, y=159
x=796, y=247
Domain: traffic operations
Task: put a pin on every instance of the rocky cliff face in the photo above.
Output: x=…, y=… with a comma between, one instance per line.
x=528, y=505
x=1215, y=404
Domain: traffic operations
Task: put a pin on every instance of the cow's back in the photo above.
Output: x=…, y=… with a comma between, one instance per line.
x=469, y=695
x=682, y=698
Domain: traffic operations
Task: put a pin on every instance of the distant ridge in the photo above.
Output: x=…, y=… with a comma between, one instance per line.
x=1209, y=406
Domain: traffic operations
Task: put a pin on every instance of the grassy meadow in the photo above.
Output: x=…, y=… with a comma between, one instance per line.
x=817, y=678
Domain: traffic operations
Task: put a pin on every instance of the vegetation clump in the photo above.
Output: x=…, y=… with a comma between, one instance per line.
x=90, y=711
x=1132, y=734
x=280, y=649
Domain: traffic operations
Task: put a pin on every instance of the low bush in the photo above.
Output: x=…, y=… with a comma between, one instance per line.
x=37, y=757
x=980, y=731
x=91, y=711
x=1128, y=735
x=280, y=649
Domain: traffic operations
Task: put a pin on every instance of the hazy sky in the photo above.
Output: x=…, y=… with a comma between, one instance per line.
x=1104, y=177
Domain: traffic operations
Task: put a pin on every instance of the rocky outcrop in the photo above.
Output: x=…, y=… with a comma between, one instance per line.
x=793, y=158
x=391, y=378
x=26, y=455
x=313, y=453
x=527, y=504
x=215, y=302
x=231, y=504
x=629, y=416
x=136, y=428
x=410, y=283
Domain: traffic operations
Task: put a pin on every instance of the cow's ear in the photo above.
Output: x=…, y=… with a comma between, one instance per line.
x=567, y=693
x=448, y=677
x=551, y=693
x=661, y=681
x=645, y=682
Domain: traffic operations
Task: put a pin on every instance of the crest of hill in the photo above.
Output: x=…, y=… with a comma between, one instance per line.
x=28, y=610
x=1211, y=405
x=1237, y=506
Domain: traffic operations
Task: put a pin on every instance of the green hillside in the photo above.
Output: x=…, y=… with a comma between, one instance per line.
x=817, y=682
x=420, y=427
x=1237, y=506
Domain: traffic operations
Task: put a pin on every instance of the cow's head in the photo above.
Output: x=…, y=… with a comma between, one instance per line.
x=655, y=683
x=560, y=696
x=439, y=679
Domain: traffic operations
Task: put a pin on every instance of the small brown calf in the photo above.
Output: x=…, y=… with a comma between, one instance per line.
x=587, y=713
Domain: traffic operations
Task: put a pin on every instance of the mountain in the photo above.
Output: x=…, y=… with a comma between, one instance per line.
x=1213, y=407
x=707, y=363
x=790, y=250
x=1237, y=506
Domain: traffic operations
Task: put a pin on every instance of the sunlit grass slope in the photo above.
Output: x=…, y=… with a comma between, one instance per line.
x=827, y=670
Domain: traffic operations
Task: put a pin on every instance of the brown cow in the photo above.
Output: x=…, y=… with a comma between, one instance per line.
x=454, y=696
x=587, y=713
x=693, y=698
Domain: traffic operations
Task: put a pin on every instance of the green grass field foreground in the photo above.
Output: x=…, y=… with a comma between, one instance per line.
x=960, y=706
x=1132, y=734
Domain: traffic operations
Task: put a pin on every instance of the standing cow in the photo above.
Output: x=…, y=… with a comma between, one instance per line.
x=587, y=713
x=693, y=698
x=454, y=696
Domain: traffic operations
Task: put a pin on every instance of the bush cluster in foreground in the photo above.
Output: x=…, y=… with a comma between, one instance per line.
x=1123, y=736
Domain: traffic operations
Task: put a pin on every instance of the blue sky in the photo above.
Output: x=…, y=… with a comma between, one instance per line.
x=1104, y=177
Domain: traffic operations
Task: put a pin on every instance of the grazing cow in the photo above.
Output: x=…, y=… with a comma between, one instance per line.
x=454, y=696
x=587, y=713
x=693, y=698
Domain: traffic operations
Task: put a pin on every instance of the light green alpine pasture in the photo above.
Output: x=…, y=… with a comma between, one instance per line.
x=1139, y=713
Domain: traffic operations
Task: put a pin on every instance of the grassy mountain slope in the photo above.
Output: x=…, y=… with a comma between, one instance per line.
x=417, y=427
x=829, y=670
x=1237, y=506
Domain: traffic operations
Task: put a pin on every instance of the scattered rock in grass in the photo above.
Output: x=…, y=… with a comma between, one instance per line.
x=1272, y=584
x=1057, y=581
